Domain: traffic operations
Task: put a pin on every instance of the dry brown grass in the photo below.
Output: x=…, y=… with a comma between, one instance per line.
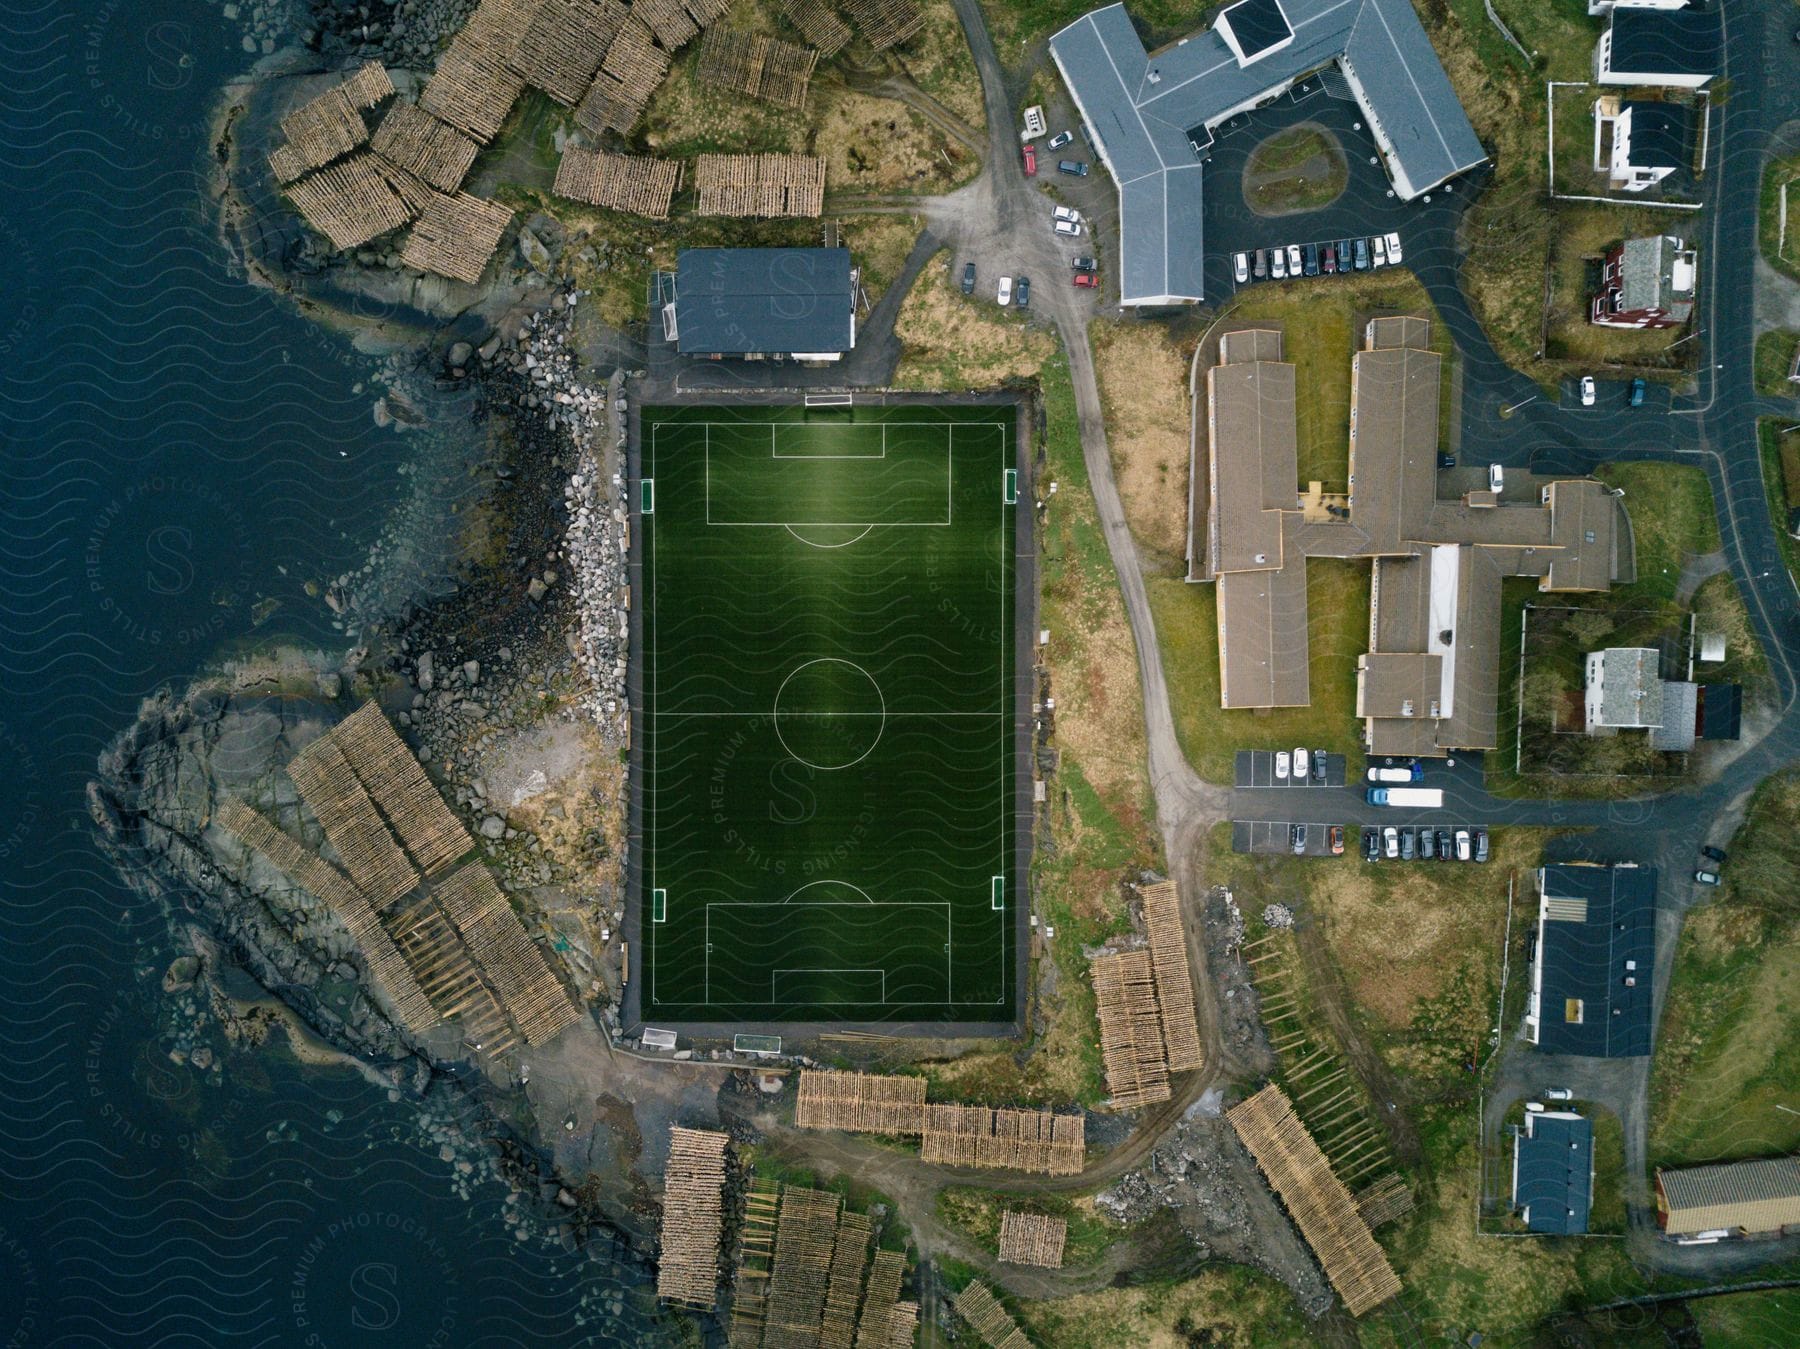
x=880, y=145
x=1056, y=1072
x=1227, y=1307
x=957, y=341
x=1143, y=383
x=939, y=62
x=879, y=245
x=1441, y=923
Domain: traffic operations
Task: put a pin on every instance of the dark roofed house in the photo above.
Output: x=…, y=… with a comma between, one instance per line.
x=761, y=303
x=1721, y=711
x=1638, y=144
x=1646, y=283
x=1148, y=113
x=1659, y=46
x=1596, y=950
x=1553, y=1172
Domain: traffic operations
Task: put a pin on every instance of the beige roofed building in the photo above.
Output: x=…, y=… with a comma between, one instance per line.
x=1430, y=681
x=1740, y=1199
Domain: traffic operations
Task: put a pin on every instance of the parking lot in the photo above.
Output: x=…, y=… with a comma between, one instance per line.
x=1256, y=768
x=1276, y=837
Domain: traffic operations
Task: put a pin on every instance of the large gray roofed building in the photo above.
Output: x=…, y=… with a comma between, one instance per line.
x=1148, y=113
x=763, y=302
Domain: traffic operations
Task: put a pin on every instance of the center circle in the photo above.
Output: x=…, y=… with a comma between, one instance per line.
x=829, y=713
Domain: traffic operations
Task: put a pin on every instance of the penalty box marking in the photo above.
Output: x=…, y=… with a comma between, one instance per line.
x=947, y=448
x=949, y=967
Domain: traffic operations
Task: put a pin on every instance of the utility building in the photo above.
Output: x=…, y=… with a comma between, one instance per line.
x=1738, y=1199
x=1592, y=961
x=760, y=303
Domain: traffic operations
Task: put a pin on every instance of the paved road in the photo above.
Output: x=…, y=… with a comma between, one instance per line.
x=1715, y=430
x=1000, y=220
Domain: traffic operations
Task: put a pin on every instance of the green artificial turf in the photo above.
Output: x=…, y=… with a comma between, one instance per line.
x=829, y=709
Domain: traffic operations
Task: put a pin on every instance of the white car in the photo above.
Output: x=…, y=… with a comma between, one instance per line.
x=1393, y=247
x=1496, y=478
x=1390, y=841
x=1005, y=295
x=1293, y=259
x=1378, y=247
x=1066, y=213
x=1558, y=1094
x=1277, y=263
x=1240, y=264
x=1281, y=765
x=1302, y=765
x=1068, y=228
x=1462, y=845
x=1587, y=391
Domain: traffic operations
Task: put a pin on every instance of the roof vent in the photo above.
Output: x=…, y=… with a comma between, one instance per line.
x=1446, y=636
x=1406, y=707
x=1155, y=75
x=1262, y=557
x=1631, y=981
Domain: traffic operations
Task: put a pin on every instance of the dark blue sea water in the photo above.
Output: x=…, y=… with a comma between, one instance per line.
x=171, y=439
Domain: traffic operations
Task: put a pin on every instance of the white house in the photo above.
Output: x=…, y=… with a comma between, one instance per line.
x=1661, y=46
x=1638, y=144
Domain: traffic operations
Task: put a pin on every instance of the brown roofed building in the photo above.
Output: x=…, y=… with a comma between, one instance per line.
x=1737, y=1199
x=1430, y=682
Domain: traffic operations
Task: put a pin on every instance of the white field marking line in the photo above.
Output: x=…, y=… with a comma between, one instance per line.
x=949, y=484
x=949, y=965
x=775, y=976
x=848, y=885
x=775, y=427
x=1005, y=600
x=933, y=715
x=810, y=544
x=775, y=716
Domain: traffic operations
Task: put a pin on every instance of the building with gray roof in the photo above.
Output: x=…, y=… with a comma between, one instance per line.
x=1553, y=1172
x=1150, y=116
x=797, y=303
x=1623, y=689
x=1759, y=1198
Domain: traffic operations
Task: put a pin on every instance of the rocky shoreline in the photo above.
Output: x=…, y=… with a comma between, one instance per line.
x=503, y=662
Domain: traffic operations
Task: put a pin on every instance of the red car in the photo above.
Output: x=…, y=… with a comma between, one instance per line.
x=1031, y=161
x=1088, y=279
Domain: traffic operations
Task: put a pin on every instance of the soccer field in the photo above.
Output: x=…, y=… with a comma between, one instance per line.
x=829, y=714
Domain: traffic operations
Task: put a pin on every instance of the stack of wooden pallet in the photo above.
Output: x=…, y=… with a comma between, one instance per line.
x=1131, y=1039
x=1322, y=1208
x=329, y=126
x=633, y=183
x=431, y=150
x=757, y=65
x=455, y=236
x=533, y=996
x=693, y=1217
x=885, y=23
x=818, y=24
x=760, y=185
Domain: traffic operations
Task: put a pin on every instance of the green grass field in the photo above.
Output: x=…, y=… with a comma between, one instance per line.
x=830, y=715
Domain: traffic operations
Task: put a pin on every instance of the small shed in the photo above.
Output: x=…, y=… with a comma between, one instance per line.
x=1721, y=711
x=1712, y=647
